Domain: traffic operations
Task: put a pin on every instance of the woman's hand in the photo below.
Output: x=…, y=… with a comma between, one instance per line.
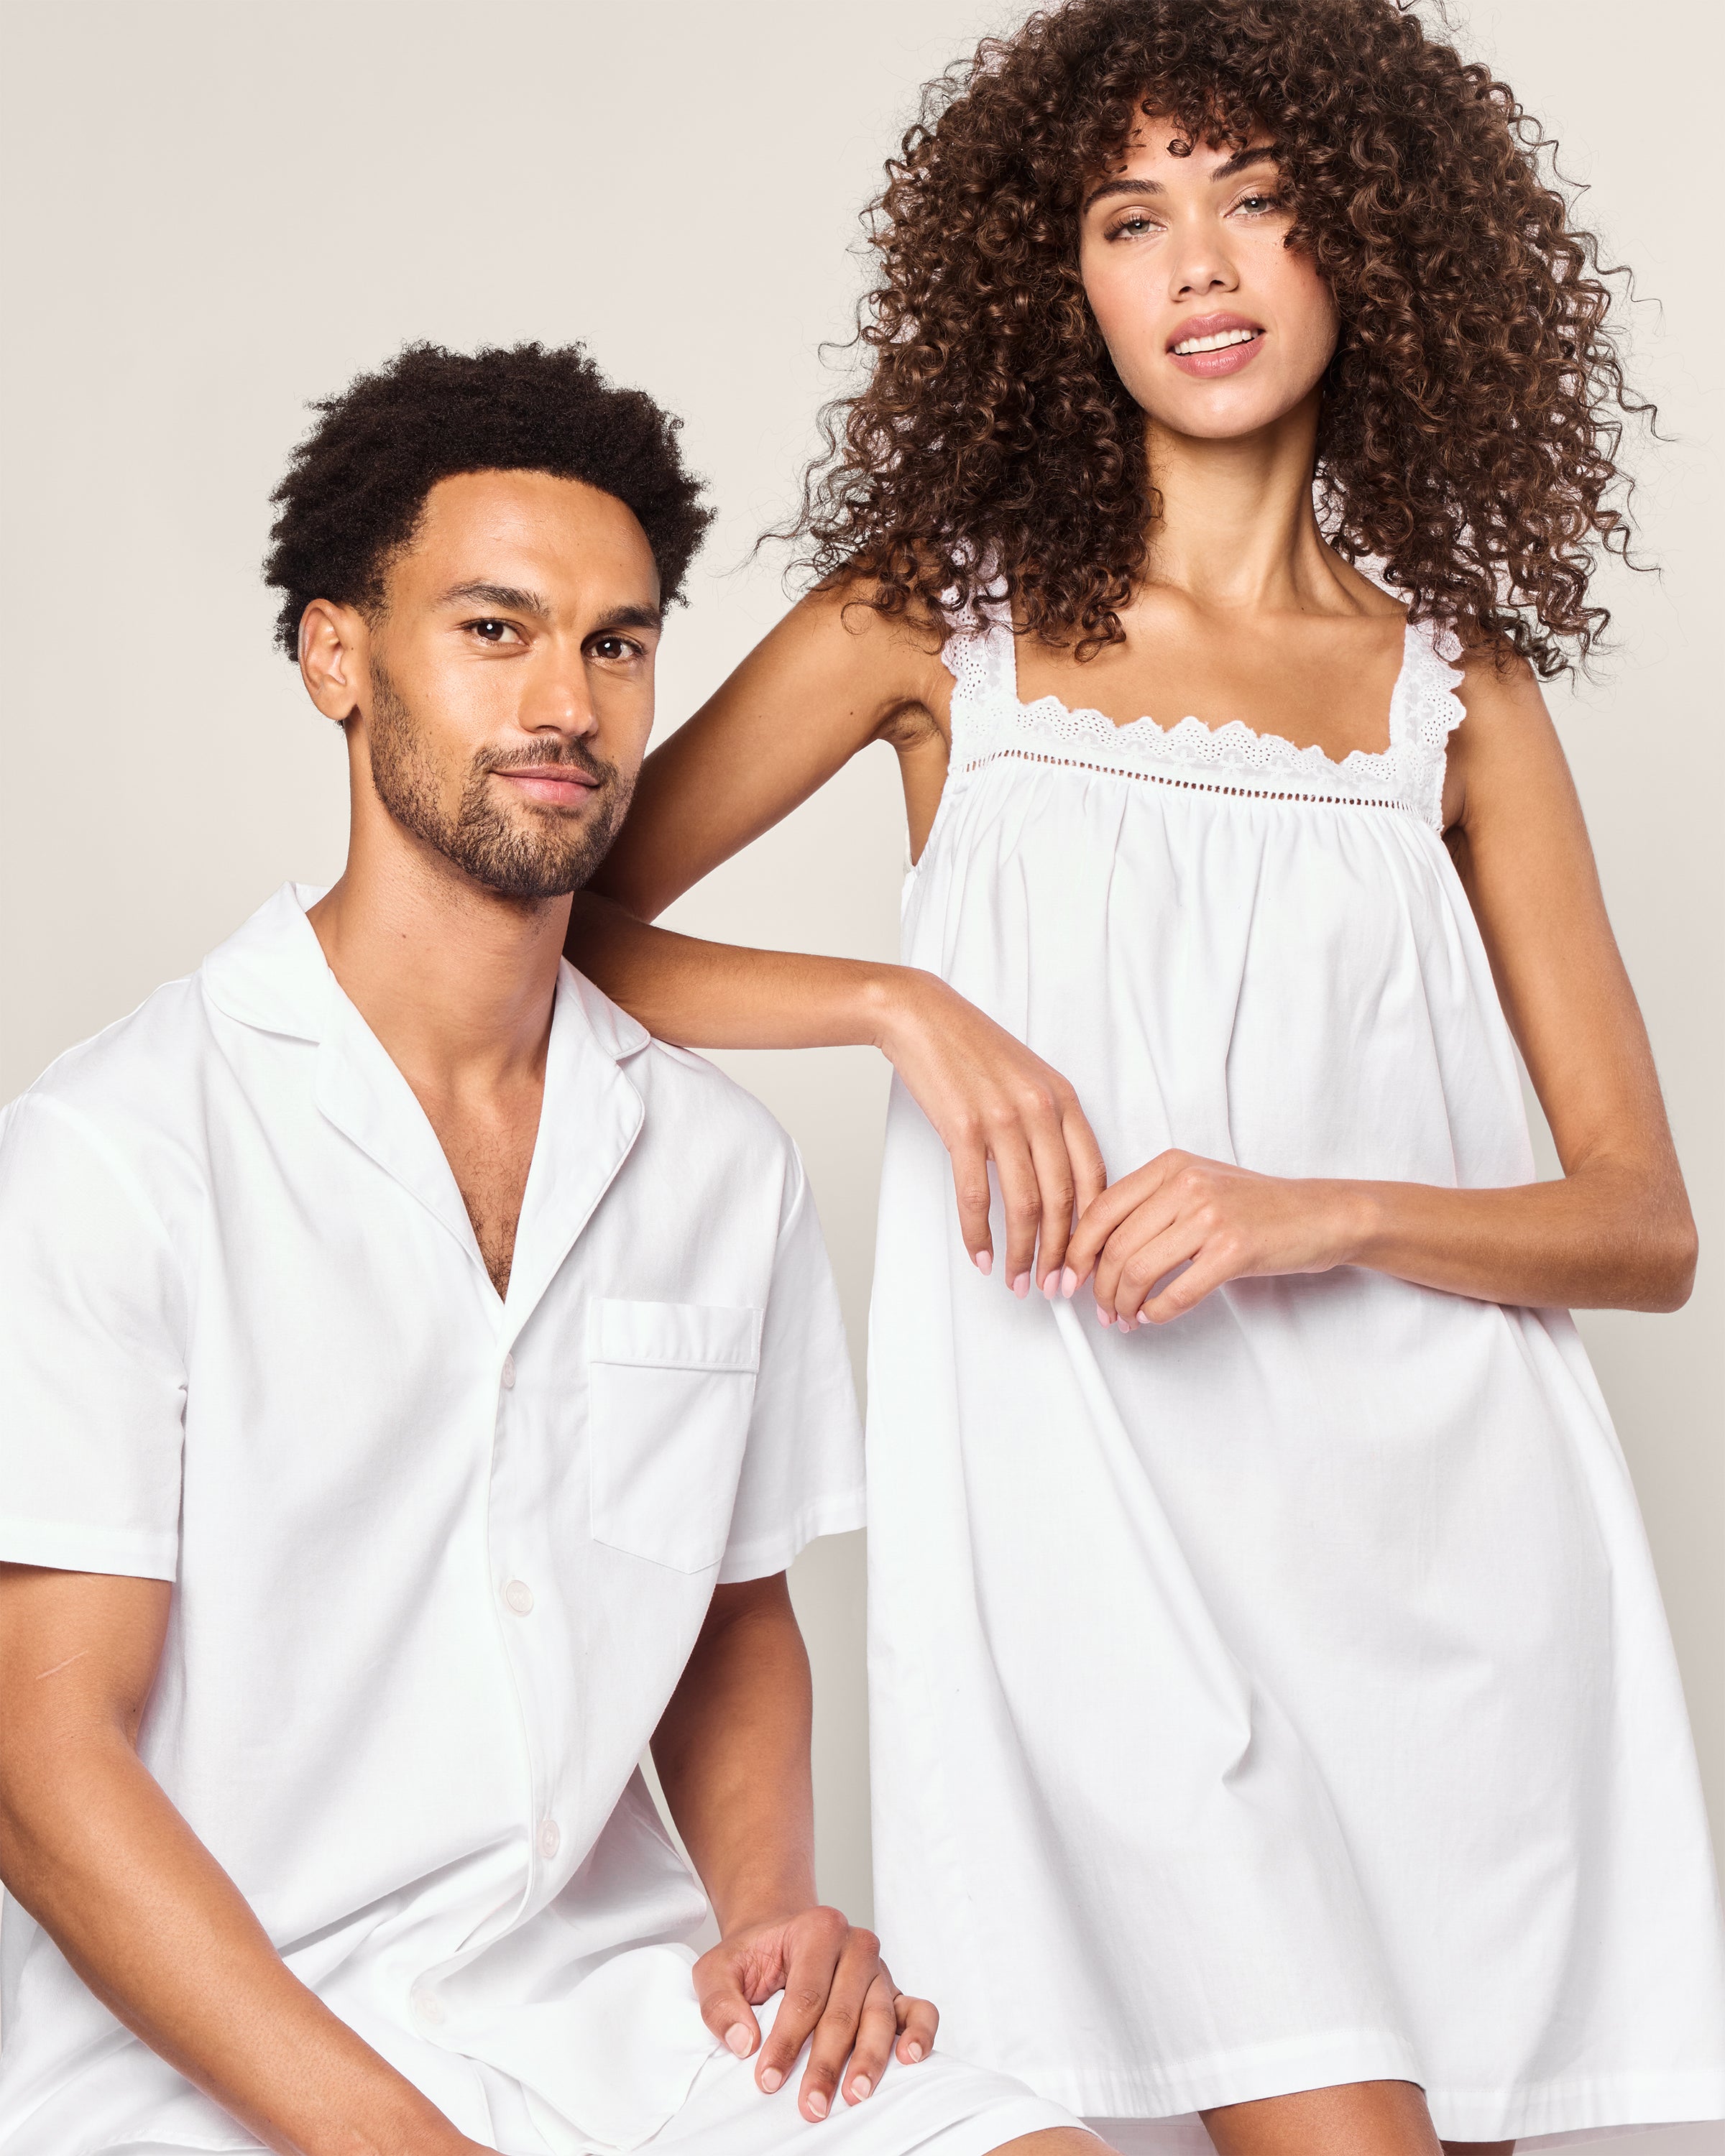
x=1205, y=1222
x=989, y=1098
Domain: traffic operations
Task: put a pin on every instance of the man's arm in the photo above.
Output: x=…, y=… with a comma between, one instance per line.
x=91, y=1845
x=732, y=1754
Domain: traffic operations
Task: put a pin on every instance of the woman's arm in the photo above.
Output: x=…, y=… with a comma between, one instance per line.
x=832, y=677
x=1614, y=1232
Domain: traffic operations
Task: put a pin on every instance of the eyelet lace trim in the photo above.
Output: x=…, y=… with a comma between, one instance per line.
x=990, y=722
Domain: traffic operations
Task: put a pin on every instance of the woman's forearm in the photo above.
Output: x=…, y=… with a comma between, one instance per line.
x=723, y=995
x=1609, y=1235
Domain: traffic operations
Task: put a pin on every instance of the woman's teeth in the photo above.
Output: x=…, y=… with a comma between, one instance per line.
x=1216, y=343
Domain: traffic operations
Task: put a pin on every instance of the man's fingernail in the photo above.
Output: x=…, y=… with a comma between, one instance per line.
x=1068, y=1282
x=1021, y=1286
x=770, y=2079
x=985, y=1262
x=737, y=2037
x=817, y=2103
x=860, y=2087
x=913, y=2052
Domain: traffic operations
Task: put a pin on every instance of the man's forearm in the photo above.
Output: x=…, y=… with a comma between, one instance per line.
x=92, y=1848
x=732, y=1754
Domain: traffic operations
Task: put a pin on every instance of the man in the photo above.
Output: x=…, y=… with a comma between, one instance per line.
x=414, y=1382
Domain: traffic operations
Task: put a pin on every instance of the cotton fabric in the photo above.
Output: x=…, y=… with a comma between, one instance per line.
x=439, y=1559
x=1292, y=1679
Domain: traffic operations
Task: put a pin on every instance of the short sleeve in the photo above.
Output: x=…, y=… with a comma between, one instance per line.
x=92, y=1361
x=803, y=1467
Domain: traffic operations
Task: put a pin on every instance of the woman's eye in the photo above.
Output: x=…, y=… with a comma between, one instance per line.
x=1258, y=204
x=1130, y=225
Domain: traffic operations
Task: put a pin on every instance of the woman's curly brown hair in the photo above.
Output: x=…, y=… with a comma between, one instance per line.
x=1472, y=412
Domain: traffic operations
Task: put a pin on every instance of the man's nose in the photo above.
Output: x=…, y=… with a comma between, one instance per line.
x=559, y=699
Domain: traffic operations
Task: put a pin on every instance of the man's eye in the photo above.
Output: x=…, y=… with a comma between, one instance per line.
x=492, y=632
x=613, y=647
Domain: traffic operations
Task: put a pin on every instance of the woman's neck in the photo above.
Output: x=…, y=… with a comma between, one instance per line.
x=1236, y=529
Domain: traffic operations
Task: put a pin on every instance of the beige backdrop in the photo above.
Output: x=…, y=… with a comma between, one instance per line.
x=216, y=210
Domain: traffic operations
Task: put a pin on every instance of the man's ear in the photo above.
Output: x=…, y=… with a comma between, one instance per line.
x=332, y=657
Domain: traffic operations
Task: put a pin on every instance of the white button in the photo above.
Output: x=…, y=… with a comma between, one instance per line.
x=428, y=2007
x=519, y=1596
x=551, y=1836
x=509, y=1373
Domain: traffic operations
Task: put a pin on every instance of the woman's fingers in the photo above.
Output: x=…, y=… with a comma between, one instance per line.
x=970, y=1187
x=1021, y=1202
x=1057, y=1187
x=1149, y=1245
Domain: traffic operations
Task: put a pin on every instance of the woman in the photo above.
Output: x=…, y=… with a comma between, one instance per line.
x=1273, y=1713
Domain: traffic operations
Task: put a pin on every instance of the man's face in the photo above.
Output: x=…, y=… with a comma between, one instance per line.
x=506, y=688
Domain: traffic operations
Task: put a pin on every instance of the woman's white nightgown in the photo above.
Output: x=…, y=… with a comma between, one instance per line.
x=1282, y=1697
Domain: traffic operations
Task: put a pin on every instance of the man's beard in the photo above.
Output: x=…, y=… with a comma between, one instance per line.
x=533, y=854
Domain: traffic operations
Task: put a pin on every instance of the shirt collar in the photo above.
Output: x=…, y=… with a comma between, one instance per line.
x=273, y=975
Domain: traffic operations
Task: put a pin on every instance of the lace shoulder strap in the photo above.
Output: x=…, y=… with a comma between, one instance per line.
x=980, y=652
x=1423, y=712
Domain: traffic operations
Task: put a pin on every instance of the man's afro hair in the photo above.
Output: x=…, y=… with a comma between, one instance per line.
x=355, y=486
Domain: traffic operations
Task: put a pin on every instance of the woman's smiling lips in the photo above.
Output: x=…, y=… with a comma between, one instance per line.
x=1210, y=345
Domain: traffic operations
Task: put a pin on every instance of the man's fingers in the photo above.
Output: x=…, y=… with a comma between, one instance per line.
x=918, y=2022
x=724, y=2005
x=814, y=1962
x=838, y=2030
x=874, y=2036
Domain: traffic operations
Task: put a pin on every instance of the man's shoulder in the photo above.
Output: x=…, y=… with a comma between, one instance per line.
x=135, y=1068
x=681, y=1087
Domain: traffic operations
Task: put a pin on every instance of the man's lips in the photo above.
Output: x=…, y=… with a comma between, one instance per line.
x=556, y=785
x=1210, y=345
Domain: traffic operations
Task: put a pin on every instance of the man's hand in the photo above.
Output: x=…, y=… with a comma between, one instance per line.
x=835, y=1985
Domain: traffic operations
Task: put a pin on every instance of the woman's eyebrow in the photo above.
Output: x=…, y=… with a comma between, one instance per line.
x=1126, y=185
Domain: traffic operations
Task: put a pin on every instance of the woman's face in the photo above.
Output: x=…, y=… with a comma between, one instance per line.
x=1216, y=327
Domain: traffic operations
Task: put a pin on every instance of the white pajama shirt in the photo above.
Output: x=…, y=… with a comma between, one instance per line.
x=439, y=1557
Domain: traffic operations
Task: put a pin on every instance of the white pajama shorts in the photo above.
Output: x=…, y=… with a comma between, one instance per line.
x=939, y=2107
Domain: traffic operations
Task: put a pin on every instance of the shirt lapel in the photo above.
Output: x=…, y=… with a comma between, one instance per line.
x=588, y=1122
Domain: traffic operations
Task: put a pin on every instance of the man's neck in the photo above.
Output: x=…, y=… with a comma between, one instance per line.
x=456, y=982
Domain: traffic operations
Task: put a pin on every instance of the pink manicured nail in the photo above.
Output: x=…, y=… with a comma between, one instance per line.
x=737, y=2037
x=913, y=2052
x=817, y=2103
x=860, y=2087
x=985, y=1262
x=772, y=2079
x=1021, y=1286
x=1051, y=1286
x=1068, y=1282
x=1102, y=1316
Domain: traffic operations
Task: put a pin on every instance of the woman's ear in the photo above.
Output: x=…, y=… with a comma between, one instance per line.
x=332, y=658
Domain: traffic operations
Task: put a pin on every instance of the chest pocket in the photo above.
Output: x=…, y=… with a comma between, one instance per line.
x=672, y=1387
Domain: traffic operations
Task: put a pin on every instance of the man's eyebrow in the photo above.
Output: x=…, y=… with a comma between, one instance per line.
x=505, y=597
x=1239, y=163
x=627, y=616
